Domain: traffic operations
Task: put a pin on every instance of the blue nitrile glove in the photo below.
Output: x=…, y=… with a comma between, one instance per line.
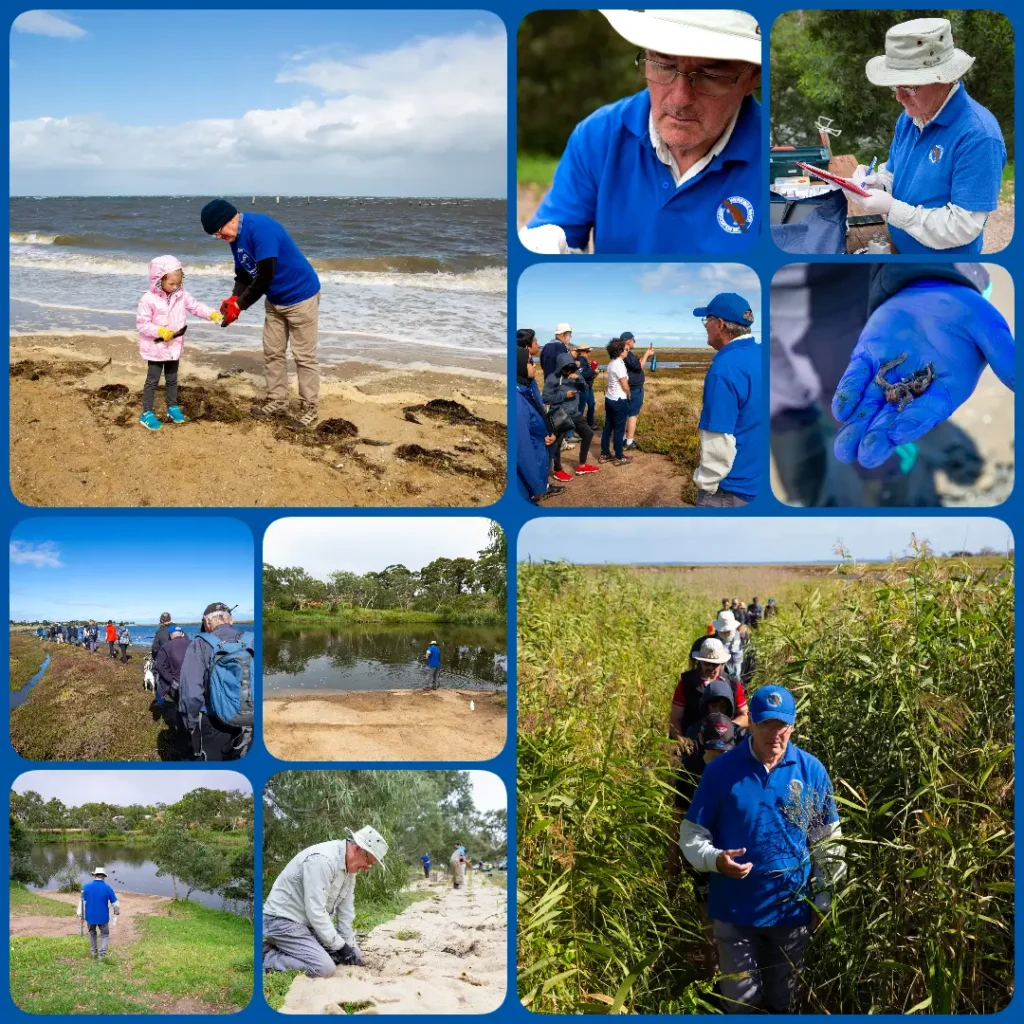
x=948, y=325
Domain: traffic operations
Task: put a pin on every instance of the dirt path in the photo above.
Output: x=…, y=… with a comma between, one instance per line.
x=650, y=481
x=133, y=906
x=386, y=725
x=452, y=960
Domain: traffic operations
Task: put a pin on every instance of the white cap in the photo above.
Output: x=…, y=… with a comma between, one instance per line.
x=99, y=871
x=726, y=622
x=370, y=840
x=720, y=35
x=712, y=650
x=562, y=329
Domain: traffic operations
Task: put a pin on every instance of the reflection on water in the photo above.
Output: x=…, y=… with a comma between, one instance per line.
x=368, y=657
x=129, y=869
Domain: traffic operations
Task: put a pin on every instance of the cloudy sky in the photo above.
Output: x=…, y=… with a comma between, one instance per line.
x=77, y=787
x=488, y=791
x=294, y=102
x=322, y=545
x=753, y=541
x=653, y=300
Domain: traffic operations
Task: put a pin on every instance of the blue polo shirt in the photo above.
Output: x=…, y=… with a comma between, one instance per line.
x=743, y=805
x=958, y=157
x=97, y=896
x=732, y=405
x=433, y=656
x=610, y=179
x=259, y=238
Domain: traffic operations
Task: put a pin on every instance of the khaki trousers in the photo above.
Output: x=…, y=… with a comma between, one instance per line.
x=295, y=325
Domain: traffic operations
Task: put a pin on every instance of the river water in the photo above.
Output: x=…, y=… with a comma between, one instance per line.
x=369, y=657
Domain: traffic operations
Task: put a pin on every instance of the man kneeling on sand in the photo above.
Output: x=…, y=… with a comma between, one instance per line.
x=308, y=916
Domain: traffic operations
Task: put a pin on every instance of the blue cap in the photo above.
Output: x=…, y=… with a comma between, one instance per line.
x=728, y=306
x=627, y=336
x=772, y=702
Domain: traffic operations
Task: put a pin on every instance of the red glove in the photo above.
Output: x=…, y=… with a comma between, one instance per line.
x=230, y=311
x=593, y=365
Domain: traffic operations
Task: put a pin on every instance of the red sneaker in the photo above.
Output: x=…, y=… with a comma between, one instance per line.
x=585, y=467
x=561, y=476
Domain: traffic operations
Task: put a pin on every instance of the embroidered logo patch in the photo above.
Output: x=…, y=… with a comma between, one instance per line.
x=774, y=699
x=720, y=727
x=935, y=153
x=735, y=215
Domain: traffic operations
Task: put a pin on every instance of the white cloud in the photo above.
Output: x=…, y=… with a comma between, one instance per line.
x=428, y=113
x=682, y=278
x=43, y=23
x=42, y=556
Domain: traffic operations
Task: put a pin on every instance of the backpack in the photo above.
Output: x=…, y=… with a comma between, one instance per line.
x=229, y=687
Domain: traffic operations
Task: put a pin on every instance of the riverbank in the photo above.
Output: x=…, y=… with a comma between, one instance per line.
x=386, y=725
x=86, y=707
x=385, y=437
x=382, y=616
x=27, y=654
x=52, y=837
x=166, y=956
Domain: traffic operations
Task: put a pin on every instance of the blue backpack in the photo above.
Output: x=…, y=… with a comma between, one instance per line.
x=229, y=689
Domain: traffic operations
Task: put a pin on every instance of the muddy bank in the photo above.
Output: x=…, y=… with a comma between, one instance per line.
x=442, y=955
x=384, y=437
x=386, y=725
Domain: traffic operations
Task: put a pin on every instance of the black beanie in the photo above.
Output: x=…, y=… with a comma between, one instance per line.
x=522, y=361
x=216, y=213
x=524, y=337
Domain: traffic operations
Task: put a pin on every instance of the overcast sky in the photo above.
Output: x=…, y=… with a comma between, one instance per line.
x=748, y=541
x=322, y=545
x=488, y=791
x=185, y=102
x=121, y=787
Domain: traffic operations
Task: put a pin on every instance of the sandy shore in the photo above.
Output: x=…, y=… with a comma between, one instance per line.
x=385, y=437
x=386, y=725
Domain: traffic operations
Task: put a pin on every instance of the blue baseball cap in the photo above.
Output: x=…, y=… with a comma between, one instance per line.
x=772, y=702
x=728, y=306
x=627, y=336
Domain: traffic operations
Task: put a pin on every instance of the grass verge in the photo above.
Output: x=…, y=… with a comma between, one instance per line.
x=535, y=169
x=27, y=654
x=25, y=902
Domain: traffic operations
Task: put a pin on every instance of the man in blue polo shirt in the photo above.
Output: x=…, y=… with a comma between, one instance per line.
x=729, y=472
x=675, y=168
x=763, y=824
x=945, y=166
x=269, y=263
x=97, y=901
x=433, y=660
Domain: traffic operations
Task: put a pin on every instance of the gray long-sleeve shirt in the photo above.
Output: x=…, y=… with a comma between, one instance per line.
x=192, y=691
x=315, y=889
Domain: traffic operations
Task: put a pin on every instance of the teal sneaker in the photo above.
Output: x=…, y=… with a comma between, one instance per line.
x=175, y=414
x=149, y=421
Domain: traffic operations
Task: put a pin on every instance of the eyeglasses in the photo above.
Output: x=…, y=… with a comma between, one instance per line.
x=704, y=319
x=910, y=90
x=700, y=81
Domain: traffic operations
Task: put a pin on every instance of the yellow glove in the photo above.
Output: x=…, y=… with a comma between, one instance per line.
x=165, y=333
x=216, y=316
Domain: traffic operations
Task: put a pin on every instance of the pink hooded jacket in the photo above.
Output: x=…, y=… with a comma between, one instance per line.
x=158, y=309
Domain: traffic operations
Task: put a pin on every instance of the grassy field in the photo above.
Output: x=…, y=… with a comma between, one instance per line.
x=87, y=707
x=535, y=169
x=382, y=616
x=25, y=902
x=904, y=677
x=187, y=960
x=27, y=654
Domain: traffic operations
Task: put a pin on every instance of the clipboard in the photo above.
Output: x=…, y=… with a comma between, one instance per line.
x=843, y=183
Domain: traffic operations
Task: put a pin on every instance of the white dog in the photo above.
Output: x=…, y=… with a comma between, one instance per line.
x=149, y=675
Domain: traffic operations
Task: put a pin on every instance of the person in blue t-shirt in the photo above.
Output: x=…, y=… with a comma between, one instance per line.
x=729, y=472
x=433, y=659
x=944, y=171
x=97, y=902
x=763, y=824
x=269, y=263
x=425, y=861
x=675, y=168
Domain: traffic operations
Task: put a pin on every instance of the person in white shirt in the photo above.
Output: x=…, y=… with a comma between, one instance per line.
x=616, y=406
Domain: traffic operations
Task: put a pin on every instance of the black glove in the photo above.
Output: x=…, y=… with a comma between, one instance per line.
x=347, y=955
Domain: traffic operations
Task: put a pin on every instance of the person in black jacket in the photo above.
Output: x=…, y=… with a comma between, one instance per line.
x=161, y=636
x=587, y=375
x=635, y=370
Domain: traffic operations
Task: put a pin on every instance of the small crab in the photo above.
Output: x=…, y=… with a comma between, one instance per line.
x=902, y=392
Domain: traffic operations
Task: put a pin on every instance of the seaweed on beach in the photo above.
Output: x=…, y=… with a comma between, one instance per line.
x=337, y=427
x=34, y=369
x=112, y=392
x=437, y=459
x=455, y=414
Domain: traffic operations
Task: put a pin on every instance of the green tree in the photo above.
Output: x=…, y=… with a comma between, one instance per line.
x=189, y=861
x=21, y=853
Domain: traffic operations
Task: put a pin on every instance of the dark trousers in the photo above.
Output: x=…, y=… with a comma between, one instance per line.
x=213, y=743
x=586, y=433
x=170, y=372
x=124, y=651
x=426, y=870
x=588, y=405
x=616, y=412
x=113, y=644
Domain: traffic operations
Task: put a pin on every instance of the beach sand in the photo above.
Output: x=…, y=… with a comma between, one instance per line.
x=75, y=439
x=386, y=725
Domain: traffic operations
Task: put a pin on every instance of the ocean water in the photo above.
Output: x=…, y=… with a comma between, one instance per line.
x=411, y=283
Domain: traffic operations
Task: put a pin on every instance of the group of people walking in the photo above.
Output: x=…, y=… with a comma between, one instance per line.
x=117, y=636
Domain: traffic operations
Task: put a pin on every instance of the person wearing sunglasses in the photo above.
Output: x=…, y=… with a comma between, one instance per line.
x=945, y=165
x=675, y=168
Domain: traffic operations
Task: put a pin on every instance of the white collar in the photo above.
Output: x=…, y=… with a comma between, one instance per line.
x=665, y=156
x=949, y=95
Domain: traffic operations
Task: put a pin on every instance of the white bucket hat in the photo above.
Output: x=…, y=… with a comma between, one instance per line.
x=99, y=871
x=712, y=650
x=919, y=52
x=720, y=35
x=726, y=622
x=563, y=329
x=370, y=840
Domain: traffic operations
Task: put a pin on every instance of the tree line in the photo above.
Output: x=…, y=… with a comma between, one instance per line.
x=443, y=584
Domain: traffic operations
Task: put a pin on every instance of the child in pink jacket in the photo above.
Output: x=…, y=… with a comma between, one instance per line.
x=161, y=322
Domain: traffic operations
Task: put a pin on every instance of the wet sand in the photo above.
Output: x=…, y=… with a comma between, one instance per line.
x=385, y=437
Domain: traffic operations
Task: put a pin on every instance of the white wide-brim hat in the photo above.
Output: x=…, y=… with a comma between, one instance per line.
x=370, y=840
x=919, y=52
x=720, y=35
x=726, y=622
x=713, y=651
x=562, y=328
x=99, y=871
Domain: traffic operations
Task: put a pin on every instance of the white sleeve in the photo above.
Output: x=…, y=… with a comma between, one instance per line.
x=828, y=860
x=346, y=916
x=547, y=239
x=316, y=877
x=941, y=227
x=698, y=849
x=717, y=455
